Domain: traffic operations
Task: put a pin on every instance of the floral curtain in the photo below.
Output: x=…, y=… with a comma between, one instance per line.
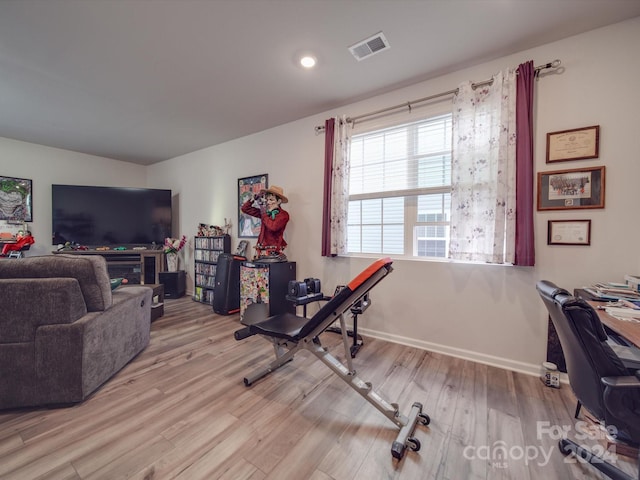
x=483, y=171
x=336, y=187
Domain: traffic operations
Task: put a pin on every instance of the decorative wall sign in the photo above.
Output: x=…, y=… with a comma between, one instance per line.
x=16, y=199
x=576, y=144
x=248, y=226
x=569, y=232
x=571, y=189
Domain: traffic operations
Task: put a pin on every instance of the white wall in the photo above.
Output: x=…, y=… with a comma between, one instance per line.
x=487, y=313
x=47, y=166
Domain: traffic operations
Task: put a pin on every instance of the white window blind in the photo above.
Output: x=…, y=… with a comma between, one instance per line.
x=399, y=189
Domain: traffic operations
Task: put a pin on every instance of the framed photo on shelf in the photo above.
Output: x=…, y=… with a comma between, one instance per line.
x=16, y=199
x=571, y=189
x=576, y=144
x=569, y=232
x=248, y=226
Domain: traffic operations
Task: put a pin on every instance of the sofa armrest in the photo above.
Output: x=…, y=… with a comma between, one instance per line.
x=72, y=361
x=27, y=303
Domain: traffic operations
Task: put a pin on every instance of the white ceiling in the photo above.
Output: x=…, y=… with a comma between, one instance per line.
x=147, y=80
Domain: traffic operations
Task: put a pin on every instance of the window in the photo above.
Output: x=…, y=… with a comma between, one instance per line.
x=399, y=189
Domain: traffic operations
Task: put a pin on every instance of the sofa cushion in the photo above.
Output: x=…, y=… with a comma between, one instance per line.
x=90, y=271
x=29, y=303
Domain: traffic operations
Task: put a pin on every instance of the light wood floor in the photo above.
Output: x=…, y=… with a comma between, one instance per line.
x=180, y=410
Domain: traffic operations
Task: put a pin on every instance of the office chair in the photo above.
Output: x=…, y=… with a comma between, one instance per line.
x=598, y=378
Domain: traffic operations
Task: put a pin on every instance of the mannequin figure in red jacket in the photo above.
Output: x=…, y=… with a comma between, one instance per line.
x=274, y=219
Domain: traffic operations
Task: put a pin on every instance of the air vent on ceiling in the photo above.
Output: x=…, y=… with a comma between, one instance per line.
x=370, y=46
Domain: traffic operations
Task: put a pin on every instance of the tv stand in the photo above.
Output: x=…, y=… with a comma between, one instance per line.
x=136, y=265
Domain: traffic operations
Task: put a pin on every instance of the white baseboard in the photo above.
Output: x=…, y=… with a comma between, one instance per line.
x=526, y=368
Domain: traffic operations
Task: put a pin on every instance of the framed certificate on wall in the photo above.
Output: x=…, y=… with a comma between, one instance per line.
x=569, y=232
x=576, y=144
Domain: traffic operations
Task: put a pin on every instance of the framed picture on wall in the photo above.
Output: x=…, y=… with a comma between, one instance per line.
x=16, y=199
x=248, y=226
x=569, y=232
x=576, y=144
x=571, y=189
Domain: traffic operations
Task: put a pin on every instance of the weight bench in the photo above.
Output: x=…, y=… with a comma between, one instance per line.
x=290, y=333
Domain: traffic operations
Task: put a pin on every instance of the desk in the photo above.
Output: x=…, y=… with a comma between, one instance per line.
x=628, y=330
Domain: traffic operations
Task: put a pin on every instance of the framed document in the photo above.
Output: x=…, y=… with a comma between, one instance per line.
x=577, y=144
x=569, y=232
x=571, y=189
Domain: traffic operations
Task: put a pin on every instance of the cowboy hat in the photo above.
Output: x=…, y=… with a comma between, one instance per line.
x=277, y=191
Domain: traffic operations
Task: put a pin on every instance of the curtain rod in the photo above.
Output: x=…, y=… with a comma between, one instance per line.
x=320, y=128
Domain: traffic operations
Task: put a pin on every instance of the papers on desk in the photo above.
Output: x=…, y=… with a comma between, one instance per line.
x=634, y=304
x=611, y=291
x=624, y=313
x=597, y=295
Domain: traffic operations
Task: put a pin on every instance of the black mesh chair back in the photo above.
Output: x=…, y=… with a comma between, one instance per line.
x=599, y=379
x=583, y=341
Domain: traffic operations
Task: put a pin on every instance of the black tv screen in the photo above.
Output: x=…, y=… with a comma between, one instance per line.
x=110, y=216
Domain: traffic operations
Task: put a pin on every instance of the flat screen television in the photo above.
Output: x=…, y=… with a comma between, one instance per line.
x=110, y=216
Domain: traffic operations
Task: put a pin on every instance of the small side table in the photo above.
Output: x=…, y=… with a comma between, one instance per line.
x=175, y=283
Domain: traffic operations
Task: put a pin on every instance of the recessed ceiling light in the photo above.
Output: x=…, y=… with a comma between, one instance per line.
x=308, y=61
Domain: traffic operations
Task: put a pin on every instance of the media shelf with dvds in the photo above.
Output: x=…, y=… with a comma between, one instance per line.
x=206, y=253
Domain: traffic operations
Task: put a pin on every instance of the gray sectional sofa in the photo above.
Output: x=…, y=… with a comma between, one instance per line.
x=63, y=332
